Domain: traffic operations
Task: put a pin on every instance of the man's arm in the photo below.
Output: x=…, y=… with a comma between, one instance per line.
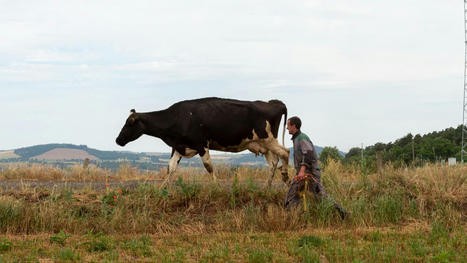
x=307, y=149
x=301, y=173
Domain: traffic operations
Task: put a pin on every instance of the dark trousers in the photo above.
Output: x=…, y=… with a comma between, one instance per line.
x=293, y=197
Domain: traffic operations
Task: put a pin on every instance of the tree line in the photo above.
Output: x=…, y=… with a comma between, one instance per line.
x=408, y=150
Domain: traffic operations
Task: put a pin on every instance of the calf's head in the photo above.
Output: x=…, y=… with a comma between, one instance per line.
x=132, y=130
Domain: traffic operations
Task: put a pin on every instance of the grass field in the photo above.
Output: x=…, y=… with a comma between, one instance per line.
x=399, y=215
x=8, y=155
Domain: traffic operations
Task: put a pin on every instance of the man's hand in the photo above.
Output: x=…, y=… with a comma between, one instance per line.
x=298, y=178
x=301, y=174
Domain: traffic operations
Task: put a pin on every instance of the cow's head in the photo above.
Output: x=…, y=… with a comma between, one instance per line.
x=132, y=130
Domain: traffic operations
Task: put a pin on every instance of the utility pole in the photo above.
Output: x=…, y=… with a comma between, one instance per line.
x=465, y=85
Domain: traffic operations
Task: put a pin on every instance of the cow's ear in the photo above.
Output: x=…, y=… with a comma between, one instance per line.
x=132, y=111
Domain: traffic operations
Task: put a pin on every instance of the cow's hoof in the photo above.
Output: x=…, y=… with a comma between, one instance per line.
x=285, y=177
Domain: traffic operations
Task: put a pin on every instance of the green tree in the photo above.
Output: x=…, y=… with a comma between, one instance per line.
x=329, y=153
x=354, y=155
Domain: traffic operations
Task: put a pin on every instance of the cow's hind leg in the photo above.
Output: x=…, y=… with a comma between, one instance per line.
x=206, y=158
x=173, y=163
x=273, y=160
x=283, y=154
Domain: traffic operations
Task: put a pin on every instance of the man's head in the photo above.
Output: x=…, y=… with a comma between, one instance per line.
x=293, y=125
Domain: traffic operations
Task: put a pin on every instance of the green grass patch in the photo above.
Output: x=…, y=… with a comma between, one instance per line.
x=316, y=245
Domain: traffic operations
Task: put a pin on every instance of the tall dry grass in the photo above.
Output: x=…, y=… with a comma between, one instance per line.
x=431, y=195
x=74, y=173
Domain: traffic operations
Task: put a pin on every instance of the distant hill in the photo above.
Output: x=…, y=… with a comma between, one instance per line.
x=33, y=151
x=57, y=154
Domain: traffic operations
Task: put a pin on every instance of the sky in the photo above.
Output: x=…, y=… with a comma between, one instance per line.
x=356, y=72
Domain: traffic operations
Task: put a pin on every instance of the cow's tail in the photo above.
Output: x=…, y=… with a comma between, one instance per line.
x=285, y=124
x=284, y=112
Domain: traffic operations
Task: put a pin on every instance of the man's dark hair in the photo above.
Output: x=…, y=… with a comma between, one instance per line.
x=296, y=121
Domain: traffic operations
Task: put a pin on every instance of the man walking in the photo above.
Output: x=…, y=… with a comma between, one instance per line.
x=306, y=164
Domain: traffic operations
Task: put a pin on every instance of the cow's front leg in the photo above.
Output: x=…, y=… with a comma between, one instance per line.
x=206, y=158
x=173, y=163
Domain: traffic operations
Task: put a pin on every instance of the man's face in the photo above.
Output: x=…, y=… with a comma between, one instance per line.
x=291, y=128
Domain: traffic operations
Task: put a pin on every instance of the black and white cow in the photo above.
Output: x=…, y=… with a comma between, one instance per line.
x=195, y=126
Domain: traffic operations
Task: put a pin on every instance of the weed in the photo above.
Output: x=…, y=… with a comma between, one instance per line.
x=305, y=248
x=59, y=238
x=97, y=242
x=5, y=245
x=9, y=214
x=252, y=215
x=82, y=211
x=388, y=209
x=140, y=246
x=325, y=211
x=310, y=240
x=413, y=209
x=234, y=192
x=112, y=256
x=68, y=254
x=374, y=236
x=178, y=256
x=438, y=231
x=251, y=186
x=444, y=256
x=188, y=191
x=259, y=255
x=217, y=254
x=308, y=255
x=111, y=198
x=418, y=248
x=67, y=195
